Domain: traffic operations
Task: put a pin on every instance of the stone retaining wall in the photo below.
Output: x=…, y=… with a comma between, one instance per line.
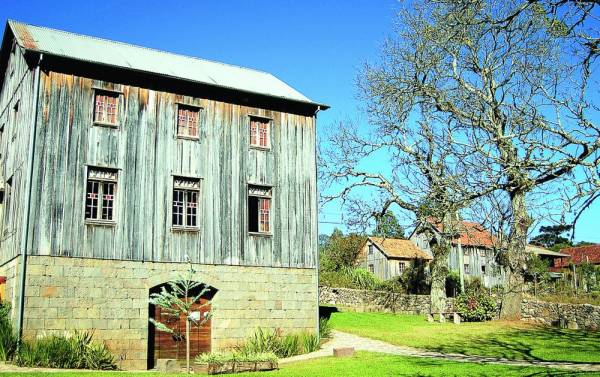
x=575, y=316
x=376, y=301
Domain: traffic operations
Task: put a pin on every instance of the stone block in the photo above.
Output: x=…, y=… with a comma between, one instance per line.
x=343, y=352
x=430, y=318
x=456, y=318
x=442, y=318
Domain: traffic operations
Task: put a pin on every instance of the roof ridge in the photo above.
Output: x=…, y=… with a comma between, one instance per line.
x=11, y=21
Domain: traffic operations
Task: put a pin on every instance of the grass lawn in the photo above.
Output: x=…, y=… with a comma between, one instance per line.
x=512, y=340
x=362, y=365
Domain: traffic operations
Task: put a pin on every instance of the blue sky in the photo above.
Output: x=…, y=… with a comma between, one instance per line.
x=315, y=46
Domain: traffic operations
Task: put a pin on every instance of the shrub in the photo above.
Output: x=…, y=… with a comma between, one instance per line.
x=324, y=328
x=66, y=352
x=272, y=341
x=222, y=358
x=475, y=306
x=474, y=284
x=8, y=338
x=350, y=277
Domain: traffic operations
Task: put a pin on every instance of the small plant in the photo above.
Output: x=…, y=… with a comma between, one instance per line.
x=475, y=306
x=222, y=358
x=310, y=342
x=8, y=338
x=75, y=351
x=324, y=328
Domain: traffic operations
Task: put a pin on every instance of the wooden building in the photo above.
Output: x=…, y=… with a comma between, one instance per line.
x=389, y=257
x=119, y=163
x=473, y=254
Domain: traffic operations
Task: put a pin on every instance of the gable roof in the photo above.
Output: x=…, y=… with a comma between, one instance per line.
x=471, y=234
x=396, y=248
x=537, y=250
x=135, y=58
x=580, y=254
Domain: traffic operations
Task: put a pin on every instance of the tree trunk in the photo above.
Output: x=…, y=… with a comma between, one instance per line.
x=187, y=344
x=439, y=271
x=516, y=257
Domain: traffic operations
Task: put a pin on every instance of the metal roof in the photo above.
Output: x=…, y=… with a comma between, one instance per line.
x=127, y=56
x=542, y=251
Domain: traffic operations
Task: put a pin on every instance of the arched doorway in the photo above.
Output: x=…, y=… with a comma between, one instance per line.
x=164, y=345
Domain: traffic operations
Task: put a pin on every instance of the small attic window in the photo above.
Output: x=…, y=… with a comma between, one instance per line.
x=188, y=122
x=260, y=132
x=106, y=108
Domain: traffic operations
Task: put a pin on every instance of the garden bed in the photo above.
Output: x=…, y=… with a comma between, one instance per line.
x=236, y=367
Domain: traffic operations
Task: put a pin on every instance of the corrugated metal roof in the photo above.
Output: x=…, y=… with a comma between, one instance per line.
x=123, y=55
x=537, y=250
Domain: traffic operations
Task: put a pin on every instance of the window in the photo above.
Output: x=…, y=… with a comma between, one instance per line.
x=467, y=269
x=370, y=249
x=186, y=192
x=6, y=204
x=187, y=121
x=106, y=108
x=100, y=195
x=1, y=138
x=371, y=268
x=401, y=266
x=483, y=269
x=15, y=120
x=259, y=209
x=259, y=132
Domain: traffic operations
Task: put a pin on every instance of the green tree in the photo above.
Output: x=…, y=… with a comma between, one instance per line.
x=387, y=226
x=340, y=251
x=552, y=236
x=180, y=299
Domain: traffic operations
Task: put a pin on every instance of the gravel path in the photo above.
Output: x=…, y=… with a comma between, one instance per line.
x=341, y=339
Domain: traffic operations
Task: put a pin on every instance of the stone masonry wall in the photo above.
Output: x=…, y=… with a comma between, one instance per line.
x=376, y=301
x=11, y=271
x=111, y=298
x=575, y=316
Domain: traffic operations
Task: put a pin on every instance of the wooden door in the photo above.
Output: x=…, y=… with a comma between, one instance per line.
x=172, y=345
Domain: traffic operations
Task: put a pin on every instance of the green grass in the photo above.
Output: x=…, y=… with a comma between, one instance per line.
x=511, y=340
x=364, y=364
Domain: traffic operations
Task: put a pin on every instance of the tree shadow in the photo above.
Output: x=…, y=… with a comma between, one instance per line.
x=537, y=344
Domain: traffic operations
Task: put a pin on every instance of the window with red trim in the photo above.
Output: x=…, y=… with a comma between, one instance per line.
x=259, y=132
x=187, y=121
x=106, y=108
x=259, y=209
x=100, y=196
x=186, y=192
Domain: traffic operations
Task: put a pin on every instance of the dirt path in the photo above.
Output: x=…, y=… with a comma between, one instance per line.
x=341, y=339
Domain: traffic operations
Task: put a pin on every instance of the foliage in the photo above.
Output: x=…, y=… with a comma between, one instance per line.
x=273, y=341
x=350, y=277
x=324, y=328
x=474, y=284
x=452, y=284
x=592, y=298
x=415, y=278
x=590, y=276
x=514, y=340
x=550, y=236
x=340, y=251
x=387, y=226
x=8, y=337
x=475, y=306
x=235, y=357
x=66, y=352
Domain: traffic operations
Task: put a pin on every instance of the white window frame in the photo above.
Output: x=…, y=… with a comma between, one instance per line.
x=102, y=175
x=186, y=184
x=401, y=267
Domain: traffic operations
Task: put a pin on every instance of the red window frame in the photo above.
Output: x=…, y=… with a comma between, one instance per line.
x=186, y=196
x=101, y=195
x=260, y=129
x=106, y=108
x=188, y=120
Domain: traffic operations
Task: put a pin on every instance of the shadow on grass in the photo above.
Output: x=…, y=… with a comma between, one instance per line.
x=538, y=344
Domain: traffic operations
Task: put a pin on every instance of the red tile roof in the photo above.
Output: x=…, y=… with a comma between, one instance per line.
x=474, y=234
x=579, y=255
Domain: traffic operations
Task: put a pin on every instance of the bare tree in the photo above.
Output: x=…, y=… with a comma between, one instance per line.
x=508, y=114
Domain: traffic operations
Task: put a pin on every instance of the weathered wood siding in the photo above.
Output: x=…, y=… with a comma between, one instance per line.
x=17, y=87
x=384, y=268
x=148, y=154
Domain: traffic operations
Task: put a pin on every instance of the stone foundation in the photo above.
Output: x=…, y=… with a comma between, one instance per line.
x=111, y=298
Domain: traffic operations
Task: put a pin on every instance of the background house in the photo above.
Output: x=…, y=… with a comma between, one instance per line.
x=389, y=257
x=472, y=254
x=120, y=163
x=578, y=255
